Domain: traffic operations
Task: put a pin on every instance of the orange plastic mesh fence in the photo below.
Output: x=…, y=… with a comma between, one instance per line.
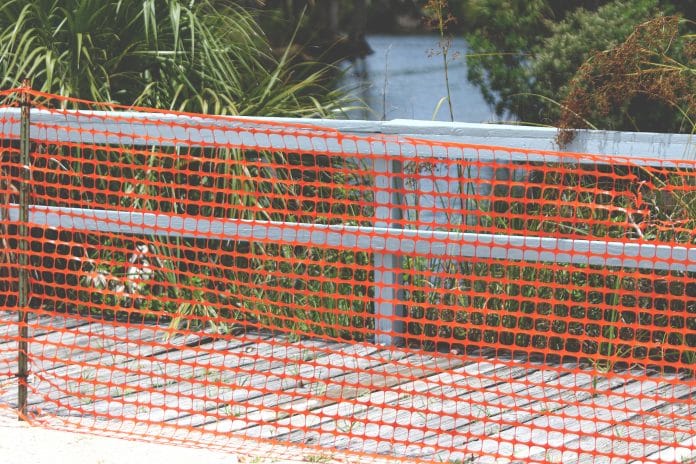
x=205, y=279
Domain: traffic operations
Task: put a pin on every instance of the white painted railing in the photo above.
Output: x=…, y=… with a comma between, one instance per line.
x=386, y=240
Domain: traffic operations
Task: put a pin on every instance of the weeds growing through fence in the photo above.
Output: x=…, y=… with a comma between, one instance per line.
x=606, y=316
x=209, y=284
x=600, y=314
x=439, y=18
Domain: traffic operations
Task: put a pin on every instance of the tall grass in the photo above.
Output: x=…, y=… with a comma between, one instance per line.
x=202, y=56
x=603, y=315
x=213, y=284
x=207, y=57
x=439, y=17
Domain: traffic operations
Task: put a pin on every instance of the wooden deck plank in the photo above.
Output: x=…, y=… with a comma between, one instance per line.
x=440, y=417
x=321, y=426
x=474, y=408
x=660, y=428
x=271, y=401
x=667, y=429
x=8, y=318
x=315, y=381
x=84, y=348
x=111, y=377
x=438, y=384
x=473, y=415
x=257, y=381
x=128, y=360
x=60, y=338
x=39, y=324
x=357, y=385
x=97, y=354
x=8, y=344
x=629, y=428
x=360, y=397
x=53, y=349
x=193, y=382
x=681, y=452
x=534, y=430
x=476, y=438
x=191, y=390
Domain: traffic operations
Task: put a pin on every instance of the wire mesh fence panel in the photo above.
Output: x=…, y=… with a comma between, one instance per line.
x=200, y=278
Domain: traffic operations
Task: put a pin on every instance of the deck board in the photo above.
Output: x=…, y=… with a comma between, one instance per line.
x=355, y=396
x=282, y=398
x=352, y=386
x=84, y=354
x=124, y=384
x=431, y=414
x=607, y=426
x=577, y=425
x=39, y=323
x=489, y=437
x=331, y=416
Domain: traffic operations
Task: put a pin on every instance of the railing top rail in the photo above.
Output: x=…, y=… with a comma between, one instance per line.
x=166, y=128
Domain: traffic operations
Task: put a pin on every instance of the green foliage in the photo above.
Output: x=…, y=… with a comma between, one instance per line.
x=571, y=43
x=198, y=56
x=524, y=54
x=500, y=43
x=211, y=284
x=647, y=81
x=599, y=317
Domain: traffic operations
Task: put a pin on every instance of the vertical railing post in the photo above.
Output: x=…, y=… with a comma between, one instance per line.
x=23, y=258
x=387, y=266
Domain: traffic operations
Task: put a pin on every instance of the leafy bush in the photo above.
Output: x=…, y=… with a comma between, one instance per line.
x=525, y=55
x=646, y=81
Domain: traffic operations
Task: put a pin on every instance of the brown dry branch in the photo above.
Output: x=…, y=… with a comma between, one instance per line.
x=656, y=63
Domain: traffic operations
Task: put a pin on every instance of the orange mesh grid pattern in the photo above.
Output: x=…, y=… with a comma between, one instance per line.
x=200, y=279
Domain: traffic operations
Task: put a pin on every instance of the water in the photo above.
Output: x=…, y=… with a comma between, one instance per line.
x=404, y=78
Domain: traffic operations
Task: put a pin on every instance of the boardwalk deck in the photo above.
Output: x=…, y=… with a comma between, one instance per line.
x=354, y=396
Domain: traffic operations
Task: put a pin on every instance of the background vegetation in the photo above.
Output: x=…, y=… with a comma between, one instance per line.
x=527, y=58
x=203, y=56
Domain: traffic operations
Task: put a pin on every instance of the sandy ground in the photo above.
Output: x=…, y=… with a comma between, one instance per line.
x=22, y=443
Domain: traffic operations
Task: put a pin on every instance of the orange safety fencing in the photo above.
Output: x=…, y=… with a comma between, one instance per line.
x=203, y=279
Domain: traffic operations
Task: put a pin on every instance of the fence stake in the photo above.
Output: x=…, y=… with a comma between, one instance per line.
x=23, y=259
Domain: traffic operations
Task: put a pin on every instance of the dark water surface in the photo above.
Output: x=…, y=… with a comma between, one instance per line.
x=404, y=78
